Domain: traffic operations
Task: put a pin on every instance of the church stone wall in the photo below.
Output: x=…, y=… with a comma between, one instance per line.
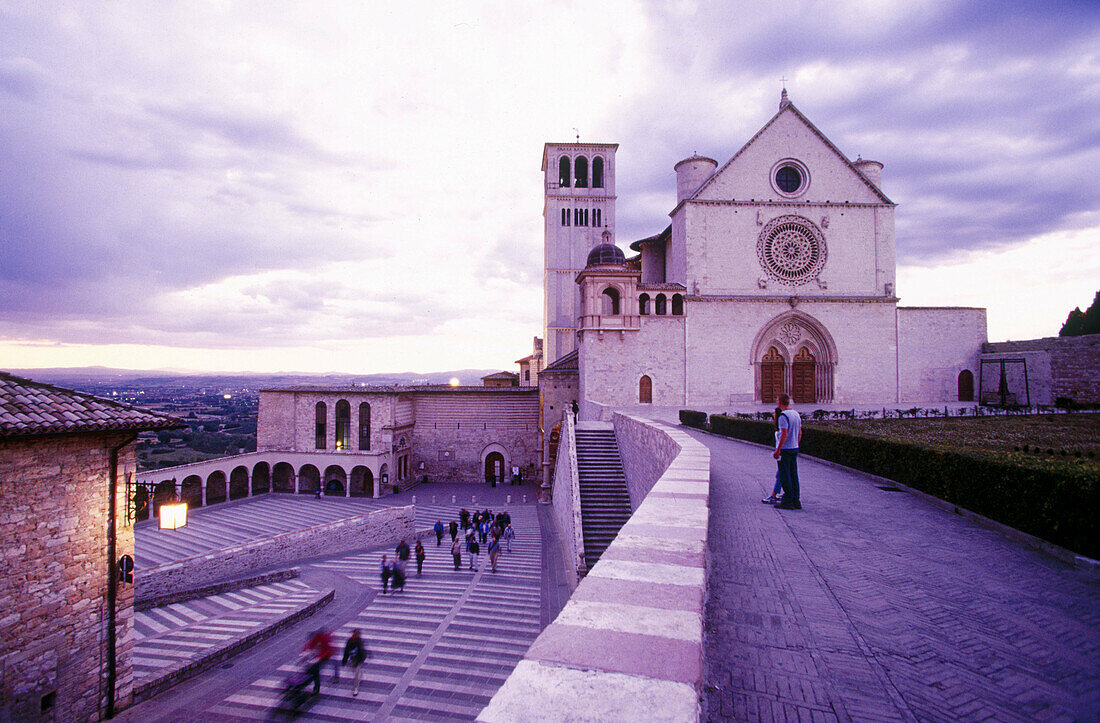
x=275, y=422
x=1056, y=366
x=613, y=363
x=54, y=498
x=935, y=344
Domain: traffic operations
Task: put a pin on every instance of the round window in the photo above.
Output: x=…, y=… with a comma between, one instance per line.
x=791, y=250
x=788, y=179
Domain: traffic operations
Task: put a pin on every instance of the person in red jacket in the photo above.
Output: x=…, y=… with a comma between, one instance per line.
x=319, y=649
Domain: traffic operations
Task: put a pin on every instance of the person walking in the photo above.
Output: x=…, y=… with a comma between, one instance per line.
x=402, y=560
x=453, y=529
x=419, y=558
x=438, y=533
x=398, y=578
x=356, y=653
x=456, y=551
x=494, y=553
x=387, y=573
x=509, y=535
x=475, y=548
x=786, y=451
x=777, y=490
x=319, y=650
x=483, y=530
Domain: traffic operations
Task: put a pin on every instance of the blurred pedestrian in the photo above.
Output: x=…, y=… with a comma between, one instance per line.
x=387, y=573
x=356, y=653
x=419, y=558
x=494, y=553
x=456, y=551
x=453, y=529
x=438, y=533
x=475, y=548
x=319, y=651
x=509, y=535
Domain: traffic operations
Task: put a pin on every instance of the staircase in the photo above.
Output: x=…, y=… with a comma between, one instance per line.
x=605, y=504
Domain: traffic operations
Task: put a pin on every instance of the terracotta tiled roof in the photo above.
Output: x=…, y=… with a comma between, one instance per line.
x=567, y=363
x=29, y=408
x=501, y=375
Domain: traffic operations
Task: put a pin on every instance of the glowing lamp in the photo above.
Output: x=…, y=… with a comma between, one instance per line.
x=173, y=515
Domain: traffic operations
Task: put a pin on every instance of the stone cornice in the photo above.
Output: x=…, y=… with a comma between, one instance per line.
x=780, y=204
x=794, y=299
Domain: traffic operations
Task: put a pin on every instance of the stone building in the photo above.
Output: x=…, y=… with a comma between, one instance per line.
x=371, y=440
x=776, y=274
x=1043, y=371
x=65, y=461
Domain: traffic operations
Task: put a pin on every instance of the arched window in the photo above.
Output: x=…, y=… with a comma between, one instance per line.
x=597, y=172
x=319, y=418
x=677, y=305
x=563, y=172
x=580, y=167
x=966, y=386
x=643, y=304
x=565, y=217
x=343, y=424
x=597, y=217
x=661, y=305
x=645, y=390
x=364, y=426
x=610, y=302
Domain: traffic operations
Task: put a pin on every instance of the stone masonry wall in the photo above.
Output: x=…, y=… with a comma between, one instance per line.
x=54, y=496
x=1057, y=366
x=567, y=500
x=646, y=453
x=374, y=529
x=935, y=345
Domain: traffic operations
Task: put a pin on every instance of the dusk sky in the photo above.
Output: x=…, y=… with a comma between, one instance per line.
x=321, y=186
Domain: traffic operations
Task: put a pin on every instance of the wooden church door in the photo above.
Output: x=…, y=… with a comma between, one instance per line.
x=803, y=377
x=771, y=376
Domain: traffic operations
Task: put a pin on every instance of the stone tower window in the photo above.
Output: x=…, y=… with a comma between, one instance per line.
x=597, y=172
x=343, y=424
x=661, y=305
x=677, y=305
x=563, y=172
x=565, y=217
x=643, y=305
x=610, y=302
x=580, y=167
x=364, y=426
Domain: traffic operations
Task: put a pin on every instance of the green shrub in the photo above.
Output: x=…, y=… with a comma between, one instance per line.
x=1043, y=498
x=691, y=418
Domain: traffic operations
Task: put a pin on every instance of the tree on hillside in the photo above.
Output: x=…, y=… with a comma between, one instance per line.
x=1083, y=322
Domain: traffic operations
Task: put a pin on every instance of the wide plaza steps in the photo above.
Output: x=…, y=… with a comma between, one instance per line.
x=605, y=502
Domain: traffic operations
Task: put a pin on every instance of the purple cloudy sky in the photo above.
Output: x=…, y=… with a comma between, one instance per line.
x=334, y=186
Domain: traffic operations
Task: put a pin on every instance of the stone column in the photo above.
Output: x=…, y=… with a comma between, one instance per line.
x=294, y=477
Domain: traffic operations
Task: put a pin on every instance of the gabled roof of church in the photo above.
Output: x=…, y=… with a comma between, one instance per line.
x=32, y=408
x=784, y=107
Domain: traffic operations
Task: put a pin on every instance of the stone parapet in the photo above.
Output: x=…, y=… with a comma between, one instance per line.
x=646, y=452
x=373, y=529
x=142, y=602
x=628, y=645
x=567, y=500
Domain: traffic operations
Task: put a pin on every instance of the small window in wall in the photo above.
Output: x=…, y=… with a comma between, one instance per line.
x=584, y=217
x=563, y=172
x=645, y=390
x=610, y=302
x=576, y=217
x=643, y=304
x=343, y=424
x=526, y=375
x=597, y=217
x=597, y=172
x=580, y=167
x=320, y=418
x=364, y=426
x=661, y=305
x=677, y=305
x=565, y=217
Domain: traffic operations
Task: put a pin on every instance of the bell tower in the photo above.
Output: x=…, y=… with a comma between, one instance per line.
x=579, y=207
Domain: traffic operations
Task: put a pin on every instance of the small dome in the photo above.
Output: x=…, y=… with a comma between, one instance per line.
x=606, y=255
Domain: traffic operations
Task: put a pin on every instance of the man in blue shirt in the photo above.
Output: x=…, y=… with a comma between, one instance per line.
x=786, y=451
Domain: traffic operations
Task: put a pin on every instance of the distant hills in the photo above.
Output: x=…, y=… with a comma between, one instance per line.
x=84, y=376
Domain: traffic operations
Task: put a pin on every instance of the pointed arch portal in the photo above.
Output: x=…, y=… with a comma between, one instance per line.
x=794, y=353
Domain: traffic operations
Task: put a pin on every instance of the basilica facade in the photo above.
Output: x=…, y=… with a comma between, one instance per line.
x=775, y=274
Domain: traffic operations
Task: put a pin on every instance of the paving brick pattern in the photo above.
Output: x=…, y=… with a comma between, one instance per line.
x=174, y=635
x=440, y=649
x=877, y=605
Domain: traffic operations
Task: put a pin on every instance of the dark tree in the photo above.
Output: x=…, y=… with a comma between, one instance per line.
x=1087, y=322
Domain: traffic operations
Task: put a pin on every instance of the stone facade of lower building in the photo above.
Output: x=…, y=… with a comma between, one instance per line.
x=1059, y=366
x=54, y=498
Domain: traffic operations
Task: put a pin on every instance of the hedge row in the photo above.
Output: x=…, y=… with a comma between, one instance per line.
x=1055, y=504
x=691, y=418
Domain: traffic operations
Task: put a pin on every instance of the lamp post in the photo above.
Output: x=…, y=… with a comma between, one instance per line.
x=172, y=515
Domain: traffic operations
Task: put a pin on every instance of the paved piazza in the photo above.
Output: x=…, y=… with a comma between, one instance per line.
x=876, y=605
x=439, y=650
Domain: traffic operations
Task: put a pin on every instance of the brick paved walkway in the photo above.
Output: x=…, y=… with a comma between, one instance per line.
x=876, y=605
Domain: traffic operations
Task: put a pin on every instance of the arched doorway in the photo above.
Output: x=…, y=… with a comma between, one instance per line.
x=191, y=490
x=362, y=482
x=772, y=370
x=238, y=483
x=336, y=480
x=282, y=477
x=215, y=487
x=966, y=386
x=309, y=480
x=261, y=478
x=803, y=385
x=494, y=468
x=645, y=390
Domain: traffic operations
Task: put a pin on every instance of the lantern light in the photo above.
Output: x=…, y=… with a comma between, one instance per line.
x=173, y=515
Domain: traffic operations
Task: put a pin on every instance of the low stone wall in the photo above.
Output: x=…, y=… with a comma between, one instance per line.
x=567, y=500
x=628, y=646
x=373, y=529
x=646, y=452
x=142, y=602
x=1058, y=366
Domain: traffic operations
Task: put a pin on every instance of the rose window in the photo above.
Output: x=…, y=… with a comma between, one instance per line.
x=791, y=250
x=790, y=333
